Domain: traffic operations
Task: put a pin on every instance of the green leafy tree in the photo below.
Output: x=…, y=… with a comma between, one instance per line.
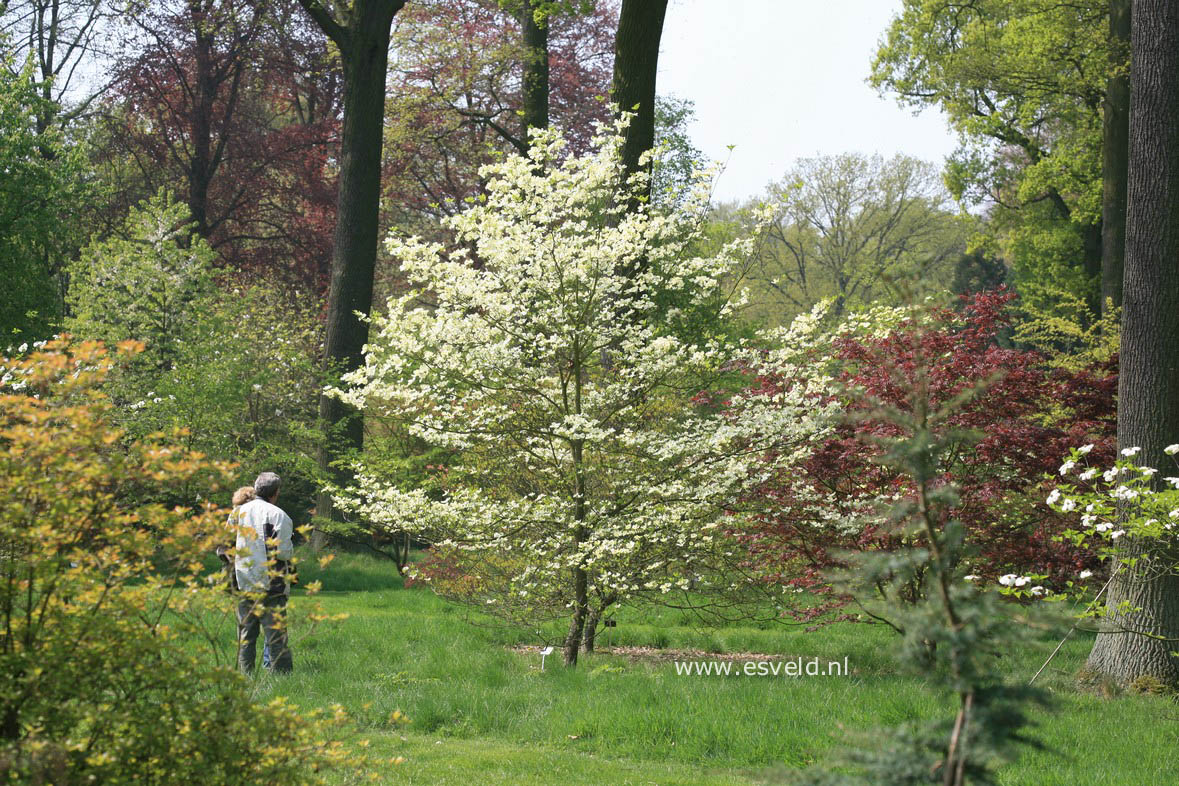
x=244, y=385
x=1023, y=82
x=146, y=284
x=676, y=159
x=847, y=226
x=237, y=368
x=42, y=181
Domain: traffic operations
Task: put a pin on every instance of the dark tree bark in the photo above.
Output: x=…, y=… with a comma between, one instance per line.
x=67, y=41
x=580, y=612
x=201, y=168
x=1139, y=643
x=589, y=637
x=221, y=39
x=536, y=69
x=362, y=37
x=1091, y=260
x=1115, y=155
x=636, y=61
x=580, y=536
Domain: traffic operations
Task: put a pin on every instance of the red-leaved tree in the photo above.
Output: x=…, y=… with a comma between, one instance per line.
x=1024, y=414
x=456, y=95
x=235, y=107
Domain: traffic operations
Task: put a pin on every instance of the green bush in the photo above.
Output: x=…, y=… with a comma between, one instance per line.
x=103, y=597
x=238, y=369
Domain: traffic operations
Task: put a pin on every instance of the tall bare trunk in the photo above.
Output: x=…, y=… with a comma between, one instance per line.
x=362, y=38
x=1115, y=155
x=1139, y=643
x=636, y=63
x=200, y=166
x=536, y=69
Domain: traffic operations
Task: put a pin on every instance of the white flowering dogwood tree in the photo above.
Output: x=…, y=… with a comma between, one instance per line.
x=548, y=352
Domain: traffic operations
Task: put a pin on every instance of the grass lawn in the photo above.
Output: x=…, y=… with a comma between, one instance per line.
x=481, y=713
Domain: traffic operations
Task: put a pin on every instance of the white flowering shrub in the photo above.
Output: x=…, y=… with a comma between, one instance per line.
x=543, y=353
x=1121, y=501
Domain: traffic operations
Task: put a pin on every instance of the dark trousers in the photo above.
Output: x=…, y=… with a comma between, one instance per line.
x=266, y=614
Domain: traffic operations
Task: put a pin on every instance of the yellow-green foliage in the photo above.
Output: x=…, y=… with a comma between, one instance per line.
x=1066, y=331
x=100, y=595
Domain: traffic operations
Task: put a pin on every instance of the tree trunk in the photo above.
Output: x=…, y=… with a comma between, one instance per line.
x=580, y=535
x=577, y=623
x=591, y=629
x=636, y=61
x=1115, y=155
x=363, y=42
x=200, y=167
x=591, y=623
x=1091, y=261
x=1148, y=388
x=536, y=69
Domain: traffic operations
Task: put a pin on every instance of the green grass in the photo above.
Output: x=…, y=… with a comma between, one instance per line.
x=481, y=713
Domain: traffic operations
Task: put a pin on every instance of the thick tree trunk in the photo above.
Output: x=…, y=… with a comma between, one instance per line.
x=636, y=62
x=536, y=69
x=200, y=167
x=1148, y=389
x=363, y=41
x=1091, y=239
x=1115, y=154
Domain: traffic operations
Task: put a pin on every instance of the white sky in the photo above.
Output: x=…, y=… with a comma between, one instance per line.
x=784, y=79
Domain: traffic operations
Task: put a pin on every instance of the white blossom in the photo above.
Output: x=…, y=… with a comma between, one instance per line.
x=548, y=372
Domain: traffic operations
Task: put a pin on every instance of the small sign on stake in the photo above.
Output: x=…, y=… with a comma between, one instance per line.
x=543, y=654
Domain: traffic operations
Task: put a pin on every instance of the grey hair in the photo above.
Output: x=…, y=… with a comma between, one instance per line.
x=266, y=486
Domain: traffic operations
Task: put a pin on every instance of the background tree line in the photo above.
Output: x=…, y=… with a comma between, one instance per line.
x=290, y=134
